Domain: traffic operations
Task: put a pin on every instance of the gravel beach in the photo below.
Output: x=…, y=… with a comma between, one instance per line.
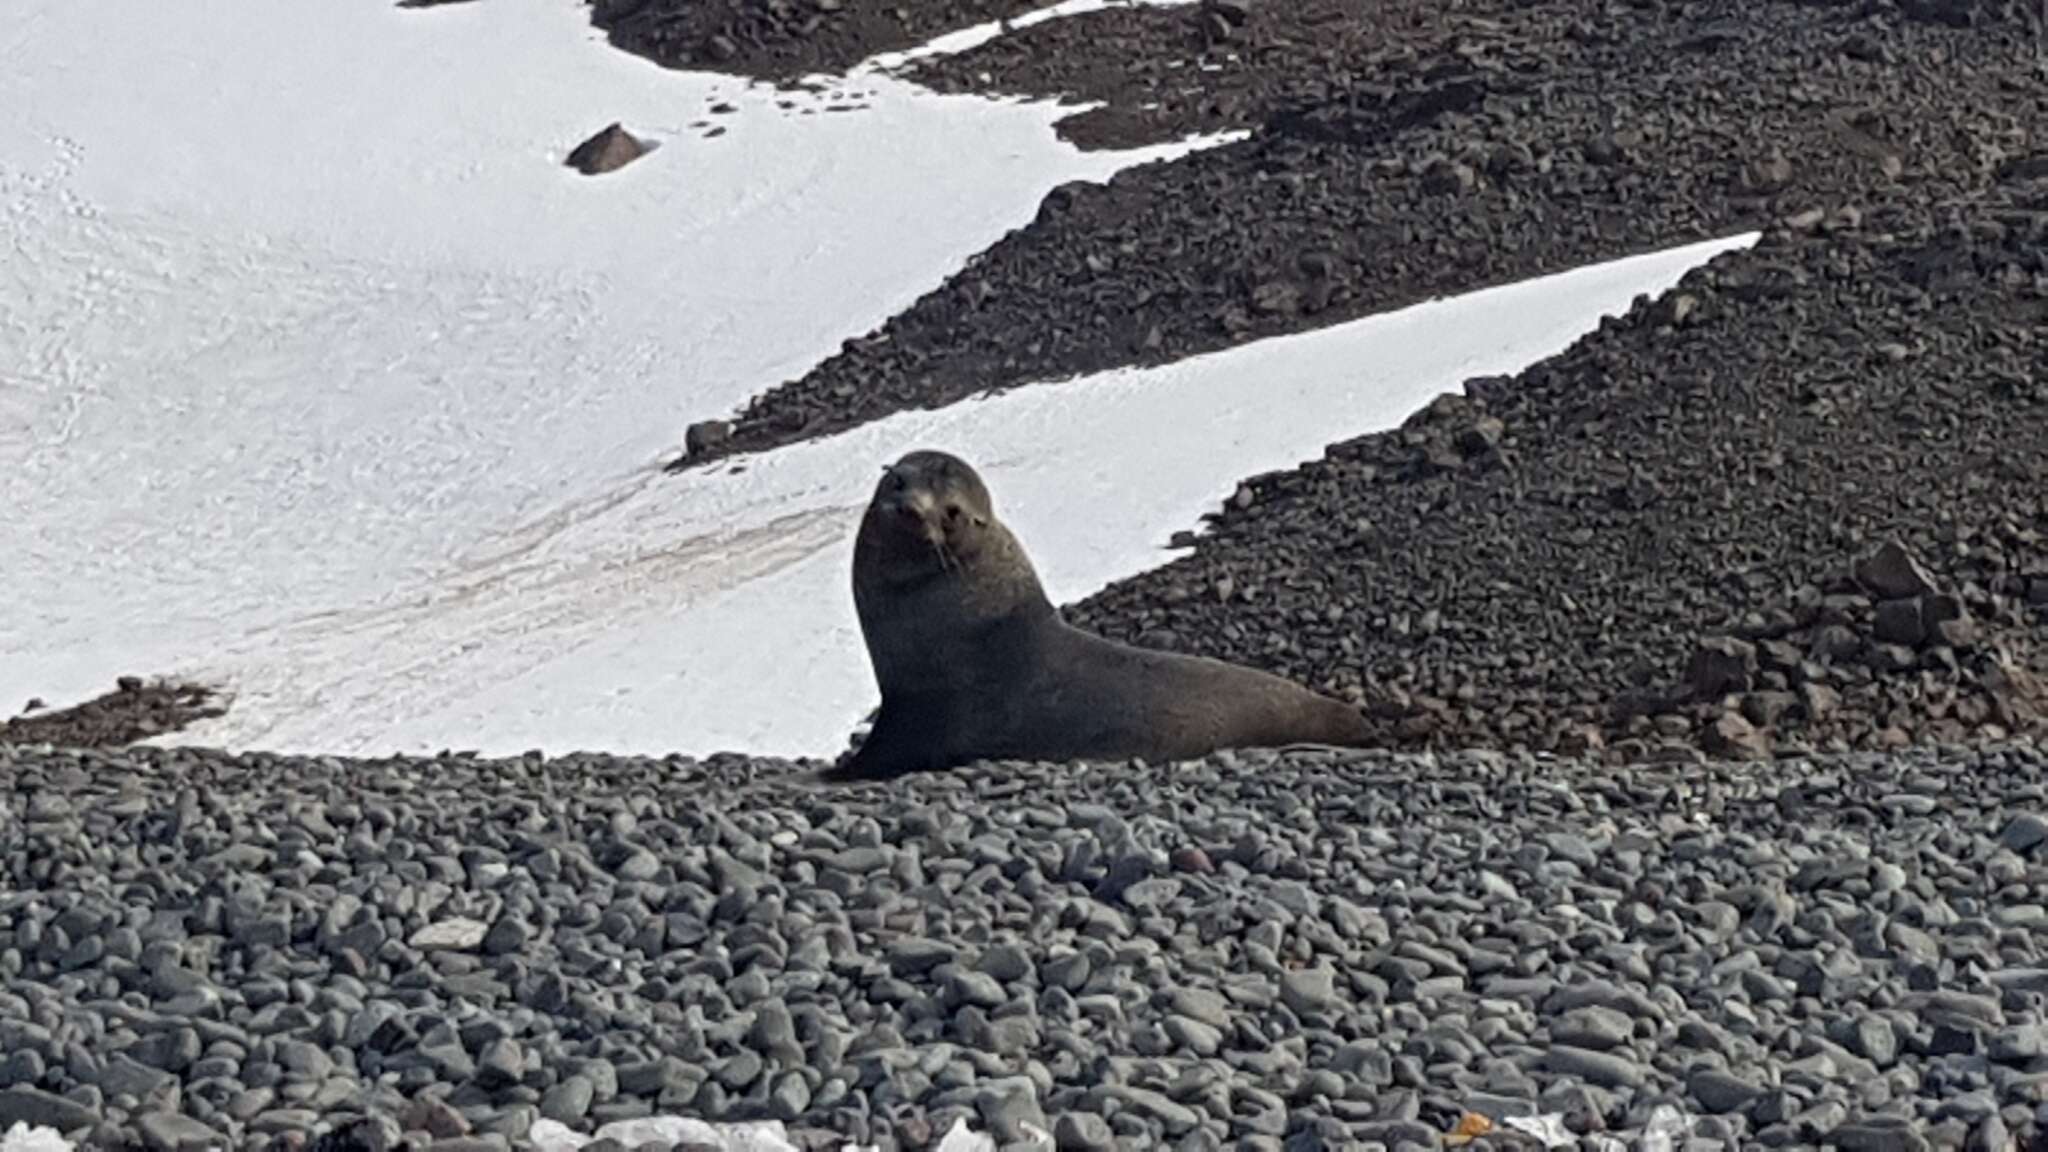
x=1260, y=951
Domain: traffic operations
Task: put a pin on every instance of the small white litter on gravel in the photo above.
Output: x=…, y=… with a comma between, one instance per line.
x=665, y=1131
x=1548, y=1128
x=22, y=1138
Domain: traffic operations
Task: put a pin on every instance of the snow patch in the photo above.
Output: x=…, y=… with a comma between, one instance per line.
x=711, y=610
x=970, y=38
x=331, y=386
x=305, y=315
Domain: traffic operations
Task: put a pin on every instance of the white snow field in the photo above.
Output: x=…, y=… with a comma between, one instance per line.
x=322, y=381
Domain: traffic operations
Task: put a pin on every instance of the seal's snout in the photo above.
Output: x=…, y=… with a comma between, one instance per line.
x=915, y=510
x=915, y=505
x=934, y=500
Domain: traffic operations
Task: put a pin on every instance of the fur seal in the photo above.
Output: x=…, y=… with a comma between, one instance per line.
x=975, y=663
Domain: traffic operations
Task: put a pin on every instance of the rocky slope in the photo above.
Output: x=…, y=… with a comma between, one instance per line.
x=1648, y=545
x=1399, y=152
x=136, y=709
x=784, y=40
x=1800, y=502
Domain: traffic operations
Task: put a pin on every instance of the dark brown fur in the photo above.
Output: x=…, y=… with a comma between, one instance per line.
x=975, y=663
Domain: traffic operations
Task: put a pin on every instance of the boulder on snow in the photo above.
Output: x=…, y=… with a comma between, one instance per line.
x=611, y=149
x=705, y=435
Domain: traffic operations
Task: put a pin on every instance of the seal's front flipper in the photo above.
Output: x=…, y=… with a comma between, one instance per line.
x=849, y=769
x=888, y=752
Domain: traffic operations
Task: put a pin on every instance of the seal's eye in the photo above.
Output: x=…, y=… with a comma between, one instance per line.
x=897, y=483
x=952, y=513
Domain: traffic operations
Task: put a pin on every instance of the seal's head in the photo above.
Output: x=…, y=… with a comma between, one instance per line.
x=932, y=512
x=932, y=564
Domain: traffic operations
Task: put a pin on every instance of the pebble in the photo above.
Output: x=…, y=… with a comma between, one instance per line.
x=1593, y=1027
x=1173, y=1119
x=503, y=1063
x=1083, y=1132
x=122, y=1076
x=509, y=935
x=1308, y=990
x=1008, y=963
x=1605, y=1069
x=976, y=988
x=304, y=1060
x=1719, y=1092
x=458, y=934
x=174, y=1132
x=40, y=1109
x=1202, y=1005
x=2024, y=832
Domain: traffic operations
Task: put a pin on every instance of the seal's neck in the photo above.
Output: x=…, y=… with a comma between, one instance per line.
x=1000, y=582
x=926, y=631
